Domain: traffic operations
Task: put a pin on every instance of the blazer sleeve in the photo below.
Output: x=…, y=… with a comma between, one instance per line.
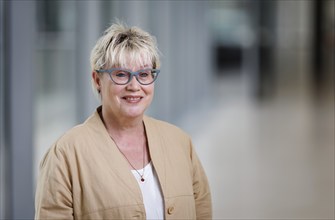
x=201, y=191
x=53, y=199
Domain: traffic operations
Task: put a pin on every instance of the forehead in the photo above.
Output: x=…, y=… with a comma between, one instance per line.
x=132, y=59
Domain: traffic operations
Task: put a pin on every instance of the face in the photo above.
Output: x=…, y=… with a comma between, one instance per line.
x=124, y=101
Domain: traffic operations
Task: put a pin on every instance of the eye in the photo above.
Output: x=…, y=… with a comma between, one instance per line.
x=144, y=74
x=121, y=74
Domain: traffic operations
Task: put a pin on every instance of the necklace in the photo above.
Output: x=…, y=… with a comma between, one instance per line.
x=141, y=175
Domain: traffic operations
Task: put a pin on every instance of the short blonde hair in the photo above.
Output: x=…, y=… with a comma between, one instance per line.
x=121, y=45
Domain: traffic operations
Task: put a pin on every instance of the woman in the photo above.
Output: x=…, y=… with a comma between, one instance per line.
x=121, y=164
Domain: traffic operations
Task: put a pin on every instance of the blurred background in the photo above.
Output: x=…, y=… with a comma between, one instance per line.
x=252, y=82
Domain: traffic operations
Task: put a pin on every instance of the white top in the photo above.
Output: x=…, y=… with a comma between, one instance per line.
x=151, y=192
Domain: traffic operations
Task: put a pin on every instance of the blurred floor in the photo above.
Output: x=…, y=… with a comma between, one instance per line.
x=271, y=160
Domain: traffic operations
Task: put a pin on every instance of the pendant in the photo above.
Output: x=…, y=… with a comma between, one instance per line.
x=142, y=179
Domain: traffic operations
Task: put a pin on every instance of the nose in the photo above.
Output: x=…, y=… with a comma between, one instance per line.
x=133, y=85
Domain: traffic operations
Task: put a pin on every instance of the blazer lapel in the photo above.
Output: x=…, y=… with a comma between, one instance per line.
x=118, y=166
x=156, y=149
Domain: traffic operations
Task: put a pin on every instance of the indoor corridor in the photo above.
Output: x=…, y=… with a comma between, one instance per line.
x=251, y=81
x=270, y=160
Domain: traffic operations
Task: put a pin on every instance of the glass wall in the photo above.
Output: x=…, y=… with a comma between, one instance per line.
x=55, y=90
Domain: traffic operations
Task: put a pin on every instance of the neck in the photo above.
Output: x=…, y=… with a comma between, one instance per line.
x=118, y=125
x=130, y=138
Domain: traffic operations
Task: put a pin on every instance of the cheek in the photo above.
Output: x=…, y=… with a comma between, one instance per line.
x=150, y=90
x=104, y=85
x=109, y=90
x=150, y=94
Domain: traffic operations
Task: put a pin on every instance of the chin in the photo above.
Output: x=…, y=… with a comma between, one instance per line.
x=134, y=114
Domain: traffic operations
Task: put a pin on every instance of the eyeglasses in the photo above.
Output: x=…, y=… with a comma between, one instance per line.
x=122, y=77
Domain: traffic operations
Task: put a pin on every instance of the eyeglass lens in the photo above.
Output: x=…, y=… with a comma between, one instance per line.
x=144, y=76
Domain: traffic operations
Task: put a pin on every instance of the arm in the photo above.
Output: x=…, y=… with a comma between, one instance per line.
x=54, y=191
x=201, y=189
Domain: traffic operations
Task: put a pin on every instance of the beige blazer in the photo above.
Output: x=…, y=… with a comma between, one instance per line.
x=84, y=176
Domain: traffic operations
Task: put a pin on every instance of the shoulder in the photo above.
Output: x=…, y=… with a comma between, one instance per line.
x=67, y=142
x=70, y=143
x=163, y=125
x=165, y=129
x=81, y=134
x=75, y=134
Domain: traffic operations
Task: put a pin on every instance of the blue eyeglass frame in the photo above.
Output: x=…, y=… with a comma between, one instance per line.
x=136, y=73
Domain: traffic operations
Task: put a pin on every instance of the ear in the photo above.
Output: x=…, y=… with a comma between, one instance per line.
x=97, y=81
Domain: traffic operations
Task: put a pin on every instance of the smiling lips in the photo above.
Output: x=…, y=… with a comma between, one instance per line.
x=132, y=99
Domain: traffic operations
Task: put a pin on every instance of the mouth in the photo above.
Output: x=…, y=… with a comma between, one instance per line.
x=132, y=99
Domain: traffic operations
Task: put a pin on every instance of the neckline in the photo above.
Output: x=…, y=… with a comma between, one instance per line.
x=146, y=166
